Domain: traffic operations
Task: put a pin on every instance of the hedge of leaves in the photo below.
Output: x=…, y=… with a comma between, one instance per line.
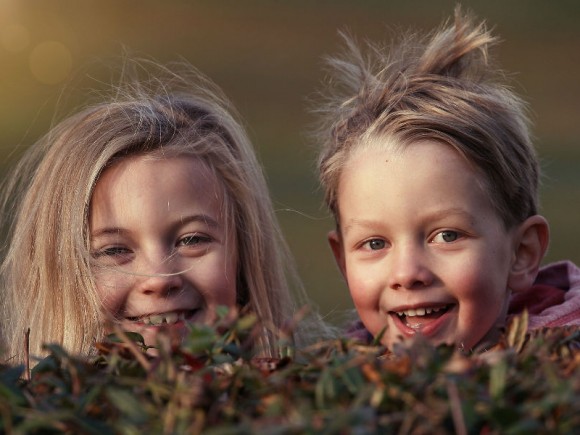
x=210, y=383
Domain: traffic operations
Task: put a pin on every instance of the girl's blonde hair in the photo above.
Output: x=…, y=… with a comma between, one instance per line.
x=47, y=284
x=439, y=88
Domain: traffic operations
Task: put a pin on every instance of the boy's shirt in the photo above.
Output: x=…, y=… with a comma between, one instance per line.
x=553, y=301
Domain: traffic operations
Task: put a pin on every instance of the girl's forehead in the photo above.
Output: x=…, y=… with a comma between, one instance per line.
x=149, y=196
x=159, y=166
x=150, y=174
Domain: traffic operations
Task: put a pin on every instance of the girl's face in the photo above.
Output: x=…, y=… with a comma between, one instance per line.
x=163, y=253
x=421, y=247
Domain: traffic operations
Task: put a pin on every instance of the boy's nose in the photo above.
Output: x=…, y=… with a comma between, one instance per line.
x=408, y=269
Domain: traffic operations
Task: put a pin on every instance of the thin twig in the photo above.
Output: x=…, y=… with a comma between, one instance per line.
x=27, y=374
x=137, y=353
x=455, y=405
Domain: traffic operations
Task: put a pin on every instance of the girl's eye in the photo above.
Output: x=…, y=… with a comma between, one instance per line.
x=375, y=244
x=194, y=240
x=446, y=236
x=112, y=251
x=113, y=255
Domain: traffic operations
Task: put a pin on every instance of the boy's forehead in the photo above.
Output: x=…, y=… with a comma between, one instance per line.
x=379, y=142
x=395, y=147
x=410, y=171
x=389, y=147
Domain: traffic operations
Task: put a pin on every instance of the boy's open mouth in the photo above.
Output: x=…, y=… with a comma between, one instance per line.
x=417, y=318
x=169, y=318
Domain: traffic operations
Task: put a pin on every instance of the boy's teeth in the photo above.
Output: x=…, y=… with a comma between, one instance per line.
x=419, y=311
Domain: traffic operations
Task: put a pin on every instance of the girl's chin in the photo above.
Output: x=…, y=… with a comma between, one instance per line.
x=150, y=332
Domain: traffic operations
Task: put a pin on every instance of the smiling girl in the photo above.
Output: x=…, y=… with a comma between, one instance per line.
x=148, y=210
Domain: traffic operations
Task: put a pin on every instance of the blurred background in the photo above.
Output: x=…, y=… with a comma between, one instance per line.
x=268, y=57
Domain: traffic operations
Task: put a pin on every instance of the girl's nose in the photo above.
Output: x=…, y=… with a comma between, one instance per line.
x=161, y=285
x=408, y=268
x=161, y=279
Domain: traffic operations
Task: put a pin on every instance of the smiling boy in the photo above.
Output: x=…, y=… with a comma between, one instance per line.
x=429, y=170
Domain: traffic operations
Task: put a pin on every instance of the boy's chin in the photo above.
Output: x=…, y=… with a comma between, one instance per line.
x=488, y=341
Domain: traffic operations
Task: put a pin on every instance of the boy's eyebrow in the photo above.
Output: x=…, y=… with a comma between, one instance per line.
x=440, y=214
x=434, y=216
x=368, y=223
x=204, y=218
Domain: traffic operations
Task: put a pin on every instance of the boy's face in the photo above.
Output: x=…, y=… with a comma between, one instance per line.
x=163, y=256
x=421, y=247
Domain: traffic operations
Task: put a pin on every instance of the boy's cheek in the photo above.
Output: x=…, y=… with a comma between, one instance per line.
x=363, y=289
x=366, y=281
x=366, y=296
x=377, y=324
x=335, y=242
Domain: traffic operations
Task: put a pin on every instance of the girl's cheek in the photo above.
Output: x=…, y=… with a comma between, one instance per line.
x=111, y=290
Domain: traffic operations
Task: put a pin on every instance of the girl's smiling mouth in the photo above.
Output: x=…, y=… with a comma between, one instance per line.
x=167, y=318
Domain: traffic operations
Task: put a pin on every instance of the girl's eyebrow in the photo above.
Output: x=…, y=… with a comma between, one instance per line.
x=203, y=218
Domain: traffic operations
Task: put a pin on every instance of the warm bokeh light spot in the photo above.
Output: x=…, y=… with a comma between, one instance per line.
x=14, y=37
x=50, y=62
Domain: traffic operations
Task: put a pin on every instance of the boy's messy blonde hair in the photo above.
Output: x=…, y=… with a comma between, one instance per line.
x=438, y=88
x=47, y=282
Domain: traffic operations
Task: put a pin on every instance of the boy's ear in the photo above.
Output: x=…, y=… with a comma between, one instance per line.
x=335, y=242
x=531, y=243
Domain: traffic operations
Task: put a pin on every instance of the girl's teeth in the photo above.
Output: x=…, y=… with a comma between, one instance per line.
x=159, y=319
x=171, y=317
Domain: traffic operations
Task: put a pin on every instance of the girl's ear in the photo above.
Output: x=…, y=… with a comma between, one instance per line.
x=531, y=243
x=335, y=242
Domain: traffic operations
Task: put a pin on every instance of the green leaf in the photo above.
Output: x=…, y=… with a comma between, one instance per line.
x=128, y=404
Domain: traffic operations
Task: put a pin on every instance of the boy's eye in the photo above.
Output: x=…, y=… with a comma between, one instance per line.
x=446, y=236
x=375, y=244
